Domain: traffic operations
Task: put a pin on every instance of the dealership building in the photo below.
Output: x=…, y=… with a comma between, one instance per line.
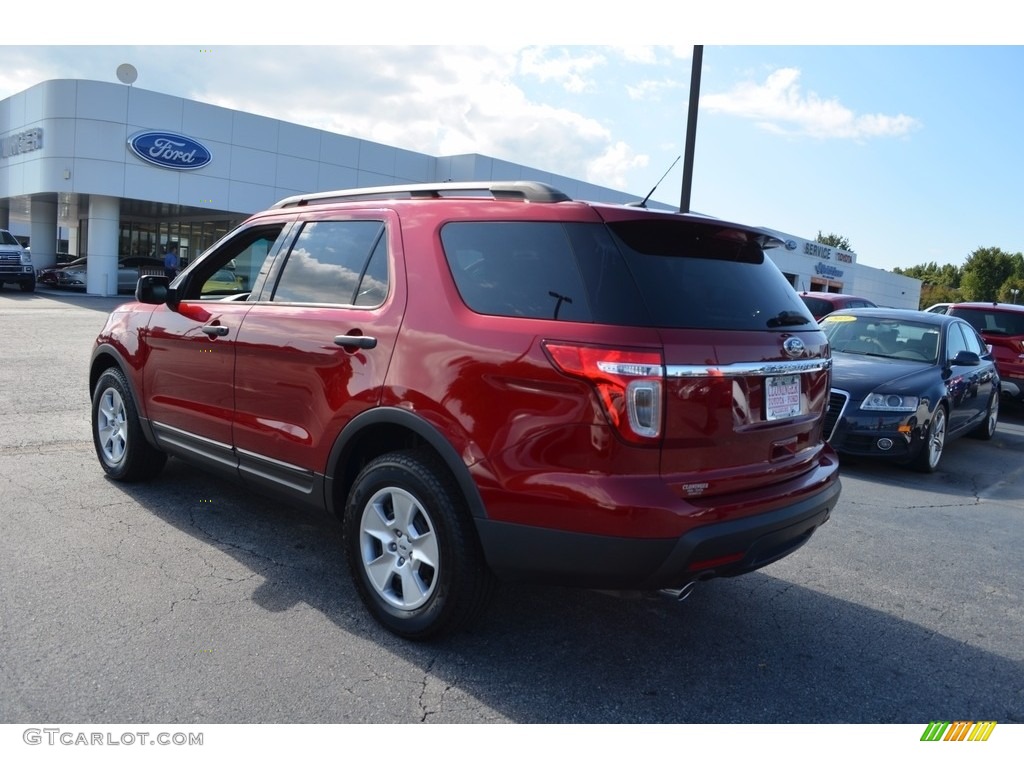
x=108, y=171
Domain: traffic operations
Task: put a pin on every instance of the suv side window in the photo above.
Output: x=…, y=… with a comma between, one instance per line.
x=243, y=259
x=336, y=262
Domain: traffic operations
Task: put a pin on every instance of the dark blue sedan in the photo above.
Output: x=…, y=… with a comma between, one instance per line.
x=904, y=383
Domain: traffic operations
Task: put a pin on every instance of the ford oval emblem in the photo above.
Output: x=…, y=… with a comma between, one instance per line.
x=170, y=150
x=791, y=245
x=794, y=347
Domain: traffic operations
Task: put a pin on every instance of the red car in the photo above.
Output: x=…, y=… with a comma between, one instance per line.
x=1002, y=328
x=487, y=380
x=821, y=303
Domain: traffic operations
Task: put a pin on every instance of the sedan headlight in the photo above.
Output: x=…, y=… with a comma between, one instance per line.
x=881, y=401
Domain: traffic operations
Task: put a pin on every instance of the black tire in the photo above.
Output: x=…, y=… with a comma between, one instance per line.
x=121, y=447
x=28, y=286
x=412, y=549
x=987, y=428
x=931, y=452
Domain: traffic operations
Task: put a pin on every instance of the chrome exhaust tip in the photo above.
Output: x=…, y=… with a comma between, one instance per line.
x=681, y=593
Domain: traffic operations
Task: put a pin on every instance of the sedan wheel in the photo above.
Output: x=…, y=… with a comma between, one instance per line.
x=931, y=452
x=987, y=428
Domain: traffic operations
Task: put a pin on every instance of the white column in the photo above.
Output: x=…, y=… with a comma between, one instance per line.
x=101, y=248
x=44, y=231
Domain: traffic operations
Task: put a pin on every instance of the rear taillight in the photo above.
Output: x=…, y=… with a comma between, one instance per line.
x=630, y=384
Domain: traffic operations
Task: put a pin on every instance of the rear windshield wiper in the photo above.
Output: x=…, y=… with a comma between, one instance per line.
x=787, y=318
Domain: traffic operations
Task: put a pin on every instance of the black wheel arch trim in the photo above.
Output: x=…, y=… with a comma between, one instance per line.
x=430, y=434
x=109, y=350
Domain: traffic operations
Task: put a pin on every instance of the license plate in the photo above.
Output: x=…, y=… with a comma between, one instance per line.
x=782, y=397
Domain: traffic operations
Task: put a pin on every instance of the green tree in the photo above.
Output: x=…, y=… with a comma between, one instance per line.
x=984, y=274
x=1015, y=282
x=836, y=241
x=938, y=294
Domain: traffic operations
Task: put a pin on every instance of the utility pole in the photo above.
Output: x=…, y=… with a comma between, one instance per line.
x=691, y=128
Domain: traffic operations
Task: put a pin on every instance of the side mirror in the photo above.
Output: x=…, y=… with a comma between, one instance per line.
x=964, y=357
x=153, y=289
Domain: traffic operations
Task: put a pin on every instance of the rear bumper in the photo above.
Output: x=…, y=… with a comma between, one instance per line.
x=527, y=553
x=1012, y=386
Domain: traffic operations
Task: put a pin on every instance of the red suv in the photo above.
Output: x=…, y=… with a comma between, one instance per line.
x=1002, y=328
x=487, y=380
x=821, y=303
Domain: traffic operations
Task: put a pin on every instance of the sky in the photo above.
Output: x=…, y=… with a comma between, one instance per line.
x=910, y=150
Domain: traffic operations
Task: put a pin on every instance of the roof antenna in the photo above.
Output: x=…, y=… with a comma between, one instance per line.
x=643, y=203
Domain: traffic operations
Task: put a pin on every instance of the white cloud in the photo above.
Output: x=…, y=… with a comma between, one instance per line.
x=780, y=105
x=440, y=101
x=652, y=89
x=570, y=71
x=611, y=167
x=638, y=54
x=437, y=100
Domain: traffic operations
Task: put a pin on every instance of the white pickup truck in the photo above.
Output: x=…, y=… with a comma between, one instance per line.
x=15, y=263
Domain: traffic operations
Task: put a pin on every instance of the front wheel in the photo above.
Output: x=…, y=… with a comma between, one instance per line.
x=121, y=447
x=931, y=452
x=411, y=547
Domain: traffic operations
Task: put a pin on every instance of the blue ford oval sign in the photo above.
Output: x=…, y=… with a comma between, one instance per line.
x=170, y=150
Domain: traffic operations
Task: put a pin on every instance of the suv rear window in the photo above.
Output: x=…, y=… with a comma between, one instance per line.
x=995, y=321
x=645, y=272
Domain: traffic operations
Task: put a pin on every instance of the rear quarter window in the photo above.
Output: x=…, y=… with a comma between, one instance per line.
x=548, y=270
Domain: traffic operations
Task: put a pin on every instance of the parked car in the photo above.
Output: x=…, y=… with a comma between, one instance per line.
x=820, y=303
x=129, y=269
x=485, y=380
x=16, y=263
x=50, y=276
x=942, y=308
x=223, y=282
x=1002, y=328
x=905, y=383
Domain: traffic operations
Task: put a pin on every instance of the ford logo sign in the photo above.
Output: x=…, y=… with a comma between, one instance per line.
x=791, y=245
x=794, y=347
x=170, y=150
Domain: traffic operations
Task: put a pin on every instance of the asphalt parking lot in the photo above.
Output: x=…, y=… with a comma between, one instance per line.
x=189, y=600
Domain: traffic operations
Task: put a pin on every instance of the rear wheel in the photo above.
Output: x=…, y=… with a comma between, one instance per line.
x=121, y=447
x=411, y=547
x=931, y=452
x=987, y=428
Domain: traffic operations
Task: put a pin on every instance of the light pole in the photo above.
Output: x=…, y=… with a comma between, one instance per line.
x=691, y=128
x=1014, y=292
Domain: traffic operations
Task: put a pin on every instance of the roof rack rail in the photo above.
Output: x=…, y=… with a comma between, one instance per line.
x=527, y=191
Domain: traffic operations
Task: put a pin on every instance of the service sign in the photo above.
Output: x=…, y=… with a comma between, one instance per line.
x=170, y=150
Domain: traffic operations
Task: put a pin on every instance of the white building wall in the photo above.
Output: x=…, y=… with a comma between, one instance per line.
x=887, y=289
